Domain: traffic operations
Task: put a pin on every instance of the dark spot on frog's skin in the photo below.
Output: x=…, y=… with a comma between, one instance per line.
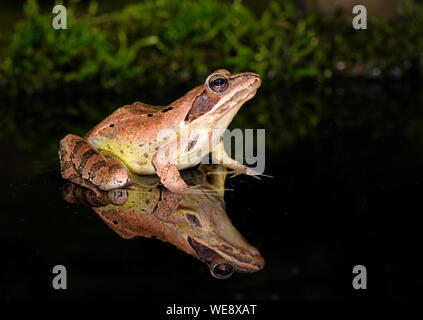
x=193, y=219
x=167, y=109
x=112, y=125
x=149, y=115
x=226, y=248
x=121, y=151
x=115, y=222
x=146, y=155
x=142, y=163
x=156, y=148
x=192, y=143
x=147, y=201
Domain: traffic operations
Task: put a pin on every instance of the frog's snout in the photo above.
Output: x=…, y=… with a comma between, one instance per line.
x=254, y=79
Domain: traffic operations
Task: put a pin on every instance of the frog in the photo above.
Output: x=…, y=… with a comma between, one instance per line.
x=129, y=143
x=196, y=223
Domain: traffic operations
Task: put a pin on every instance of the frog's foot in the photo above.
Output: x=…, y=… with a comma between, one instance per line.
x=168, y=174
x=198, y=189
x=167, y=204
x=82, y=164
x=171, y=179
x=220, y=156
x=73, y=193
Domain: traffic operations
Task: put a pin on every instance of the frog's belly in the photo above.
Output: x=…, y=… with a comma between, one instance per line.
x=142, y=163
x=136, y=159
x=139, y=159
x=140, y=166
x=146, y=167
x=188, y=160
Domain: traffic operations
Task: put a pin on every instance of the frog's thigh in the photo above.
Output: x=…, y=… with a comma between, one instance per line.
x=83, y=164
x=167, y=172
x=67, y=168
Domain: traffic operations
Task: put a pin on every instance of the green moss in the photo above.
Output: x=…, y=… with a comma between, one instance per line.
x=154, y=43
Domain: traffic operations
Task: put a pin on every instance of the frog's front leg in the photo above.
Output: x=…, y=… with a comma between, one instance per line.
x=166, y=205
x=167, y=171
x=220, y=156
x=82, y=164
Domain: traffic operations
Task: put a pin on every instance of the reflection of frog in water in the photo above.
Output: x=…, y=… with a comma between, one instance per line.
x=195, y=223
x=130, y=141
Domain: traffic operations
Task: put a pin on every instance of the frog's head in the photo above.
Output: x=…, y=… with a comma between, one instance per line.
x=205, y=230
x=207, y=233
x=221, y=96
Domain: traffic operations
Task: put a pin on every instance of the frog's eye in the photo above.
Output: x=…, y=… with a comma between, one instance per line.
x=217, y=83
x=222, y=270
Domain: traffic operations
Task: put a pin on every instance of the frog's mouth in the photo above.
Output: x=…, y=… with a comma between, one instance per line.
x=219, y=266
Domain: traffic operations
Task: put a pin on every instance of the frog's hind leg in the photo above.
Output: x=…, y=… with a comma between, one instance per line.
x=82, y=164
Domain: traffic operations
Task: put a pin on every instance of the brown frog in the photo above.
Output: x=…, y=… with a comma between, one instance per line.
x=195, y=223
x=130, y=141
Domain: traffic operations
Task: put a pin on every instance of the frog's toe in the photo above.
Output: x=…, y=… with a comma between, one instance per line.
x=249, y=172
x=195, y=190
x=178, y=186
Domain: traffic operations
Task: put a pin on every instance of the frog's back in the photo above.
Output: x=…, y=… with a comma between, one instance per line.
x=121, y=134
x=121, y=117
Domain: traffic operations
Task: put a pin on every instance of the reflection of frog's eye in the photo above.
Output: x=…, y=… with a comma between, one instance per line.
x=217, y=83
x=222, y=270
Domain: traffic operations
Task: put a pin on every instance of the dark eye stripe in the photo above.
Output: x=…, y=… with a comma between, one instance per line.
x=202, y=104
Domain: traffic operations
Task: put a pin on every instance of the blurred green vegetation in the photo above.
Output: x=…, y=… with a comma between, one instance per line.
x=154, y=43
x=53, y=82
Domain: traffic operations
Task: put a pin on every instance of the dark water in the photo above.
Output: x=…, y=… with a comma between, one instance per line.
x=346, y=193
